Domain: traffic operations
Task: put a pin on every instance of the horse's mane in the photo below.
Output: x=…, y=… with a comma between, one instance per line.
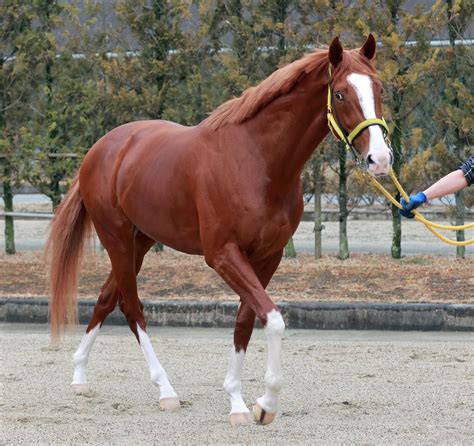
x=280, y=82
x=253, y=99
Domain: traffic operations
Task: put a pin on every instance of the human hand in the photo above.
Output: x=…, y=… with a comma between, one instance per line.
x=415, y=201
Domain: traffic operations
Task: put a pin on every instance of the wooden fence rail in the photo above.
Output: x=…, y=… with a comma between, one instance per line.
x=28, y=215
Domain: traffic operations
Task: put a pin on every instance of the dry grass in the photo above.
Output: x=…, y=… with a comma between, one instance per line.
x=174, y=276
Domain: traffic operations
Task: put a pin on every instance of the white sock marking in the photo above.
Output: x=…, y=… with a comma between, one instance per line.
x=232, y=382
x=274, y=332
x=157, y=372
x=81, y=356
x=363, y=87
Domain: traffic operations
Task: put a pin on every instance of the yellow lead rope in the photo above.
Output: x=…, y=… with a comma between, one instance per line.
x=429, y=224
x=348, y=139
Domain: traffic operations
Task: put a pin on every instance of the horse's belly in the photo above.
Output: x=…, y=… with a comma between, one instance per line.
x=171, y=233
x=165, y=216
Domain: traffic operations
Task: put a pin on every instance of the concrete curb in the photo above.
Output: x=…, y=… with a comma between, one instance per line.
x=306, y=315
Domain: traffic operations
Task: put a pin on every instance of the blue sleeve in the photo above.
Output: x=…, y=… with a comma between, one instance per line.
x=468, y=169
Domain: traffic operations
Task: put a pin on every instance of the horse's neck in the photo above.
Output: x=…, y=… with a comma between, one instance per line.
x=288, y=130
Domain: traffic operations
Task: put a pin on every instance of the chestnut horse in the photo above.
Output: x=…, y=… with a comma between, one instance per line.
x=228, y=189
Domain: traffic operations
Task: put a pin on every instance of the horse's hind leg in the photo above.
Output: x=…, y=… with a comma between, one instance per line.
x=105, y=305
x=121, y=247
x=244, y=325
x=132, y=308
x=106, y=302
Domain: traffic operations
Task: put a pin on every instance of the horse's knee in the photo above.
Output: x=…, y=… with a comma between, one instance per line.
x=275, y=325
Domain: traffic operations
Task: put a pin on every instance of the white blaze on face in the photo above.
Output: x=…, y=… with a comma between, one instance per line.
x=378, y=149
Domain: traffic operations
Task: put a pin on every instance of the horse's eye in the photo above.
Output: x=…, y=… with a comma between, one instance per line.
x=339, y=96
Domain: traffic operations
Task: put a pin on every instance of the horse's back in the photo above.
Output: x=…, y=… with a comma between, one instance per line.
x=112, y=142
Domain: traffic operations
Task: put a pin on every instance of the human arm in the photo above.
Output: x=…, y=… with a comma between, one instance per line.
x=449, y=184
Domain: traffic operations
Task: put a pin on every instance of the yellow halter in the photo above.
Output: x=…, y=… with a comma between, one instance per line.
x=339, y=132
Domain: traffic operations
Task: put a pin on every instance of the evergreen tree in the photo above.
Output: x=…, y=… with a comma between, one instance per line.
x=16, y=22
x=404, y=64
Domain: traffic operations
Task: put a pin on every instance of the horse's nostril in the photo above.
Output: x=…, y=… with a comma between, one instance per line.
x=370, y=160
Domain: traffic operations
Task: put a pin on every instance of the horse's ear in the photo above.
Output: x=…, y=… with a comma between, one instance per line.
x=335, y=52
x=368, y=49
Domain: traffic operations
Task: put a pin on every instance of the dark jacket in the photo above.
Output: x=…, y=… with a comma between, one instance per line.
x=468, y=169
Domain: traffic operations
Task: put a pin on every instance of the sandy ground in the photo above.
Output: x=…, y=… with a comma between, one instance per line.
x=364, y=237
x=339, y=388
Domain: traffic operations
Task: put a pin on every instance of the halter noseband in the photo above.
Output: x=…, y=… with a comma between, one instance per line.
x=338, y=130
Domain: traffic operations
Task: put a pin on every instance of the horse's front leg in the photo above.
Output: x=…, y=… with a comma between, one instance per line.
x=266, y=406
x=234, y=267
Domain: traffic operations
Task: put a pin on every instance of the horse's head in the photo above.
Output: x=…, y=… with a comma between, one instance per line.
x=355, y=105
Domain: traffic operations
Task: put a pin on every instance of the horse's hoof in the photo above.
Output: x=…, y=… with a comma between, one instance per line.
x=262, y=416
x=80, y=388
x=240, y=419
x=171, y=403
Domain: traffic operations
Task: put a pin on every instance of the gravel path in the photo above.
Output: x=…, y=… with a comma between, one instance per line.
x=339, y=388
x=364, y=236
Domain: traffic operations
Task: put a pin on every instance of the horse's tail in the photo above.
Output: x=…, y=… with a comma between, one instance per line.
x=69, y=229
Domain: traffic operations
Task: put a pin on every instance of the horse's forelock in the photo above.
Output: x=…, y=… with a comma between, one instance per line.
x=353, y=62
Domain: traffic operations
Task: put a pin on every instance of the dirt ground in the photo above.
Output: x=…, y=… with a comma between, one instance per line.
x=174, y=276
x=338, y=388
